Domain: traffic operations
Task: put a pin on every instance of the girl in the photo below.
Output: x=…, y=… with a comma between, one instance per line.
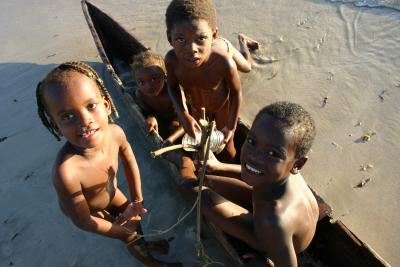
x=73, y=102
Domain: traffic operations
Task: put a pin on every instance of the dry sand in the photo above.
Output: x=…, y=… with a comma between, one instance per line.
x=309, y=50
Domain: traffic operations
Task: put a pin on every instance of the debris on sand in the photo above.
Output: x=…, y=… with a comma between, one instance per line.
x=324, y=101
x=358, y=124
x=381, y=95
x=336, y=145
x=367, y=137
x=362, y=183
x=366, y=167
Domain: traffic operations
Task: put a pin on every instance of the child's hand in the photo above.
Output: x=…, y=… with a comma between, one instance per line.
x=228, y=133
x=190, y=125
x=131, y=213
x=152, y=125
x=213, y=164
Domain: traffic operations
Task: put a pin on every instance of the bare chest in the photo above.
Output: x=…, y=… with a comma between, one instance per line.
x=99, y=181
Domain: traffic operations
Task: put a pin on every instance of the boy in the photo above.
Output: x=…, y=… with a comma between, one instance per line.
x=148, y=70
x=73, y=102
x=271, y=208
x=209, y=77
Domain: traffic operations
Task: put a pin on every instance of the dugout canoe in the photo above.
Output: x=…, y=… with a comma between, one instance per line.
x=333, y=244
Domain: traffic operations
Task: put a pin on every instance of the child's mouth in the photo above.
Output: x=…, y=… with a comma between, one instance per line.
x=88, y=134
x=252, y=170
x=194, y=60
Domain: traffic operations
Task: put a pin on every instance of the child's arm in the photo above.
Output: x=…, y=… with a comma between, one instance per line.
x=131, y=169
x=214, y=166
x=175, y=135
x=279, y=244
x=151, y=121
x=74, y=204
x=188, y=122
x=235, y=99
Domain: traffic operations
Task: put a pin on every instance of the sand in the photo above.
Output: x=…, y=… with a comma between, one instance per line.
x=310, y=51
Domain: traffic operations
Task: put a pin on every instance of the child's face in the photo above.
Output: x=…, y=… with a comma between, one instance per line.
x=150, y=80
x=78, y=110
x=268, y=155
x=192, y=42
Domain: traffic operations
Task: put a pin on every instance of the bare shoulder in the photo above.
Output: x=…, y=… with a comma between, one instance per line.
x=220, y=60
x=117, y=133
x=170, y=59
x=65, y=168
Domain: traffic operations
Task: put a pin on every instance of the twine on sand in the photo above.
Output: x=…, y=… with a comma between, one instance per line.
x=204, y=153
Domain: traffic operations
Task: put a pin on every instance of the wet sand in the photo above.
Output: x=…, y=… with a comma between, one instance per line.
x=339, y=61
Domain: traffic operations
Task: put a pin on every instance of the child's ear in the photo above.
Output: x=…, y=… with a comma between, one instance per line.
x=298, y=165
x=169, y=38
x=107, y=105
x=215, y=33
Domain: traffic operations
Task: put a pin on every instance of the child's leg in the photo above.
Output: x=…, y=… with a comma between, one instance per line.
x=243, y=59
x=228, y=216
x=140, y=249
x=228, y=155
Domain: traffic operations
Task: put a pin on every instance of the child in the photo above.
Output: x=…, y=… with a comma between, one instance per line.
x=73, y=102
x=152, y=95
x=209, y=77
x=271, y=208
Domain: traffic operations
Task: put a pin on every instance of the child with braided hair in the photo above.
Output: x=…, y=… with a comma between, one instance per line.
x=73, y=102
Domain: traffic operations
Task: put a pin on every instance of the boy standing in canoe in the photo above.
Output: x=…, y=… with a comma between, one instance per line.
x=208, y=75
x=270, y=207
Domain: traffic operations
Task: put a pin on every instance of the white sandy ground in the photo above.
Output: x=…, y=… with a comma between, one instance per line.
x=309, y=50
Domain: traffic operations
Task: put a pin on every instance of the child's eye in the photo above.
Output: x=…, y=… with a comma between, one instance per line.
x=92, y=106
x=140, y=82
x=155, y=78
x=202, y=38
x=274, y=154
x=180, y=40
x=67, y=117
x=250, y=140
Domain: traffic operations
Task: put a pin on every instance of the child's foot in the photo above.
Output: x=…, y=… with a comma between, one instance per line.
x=248, y=42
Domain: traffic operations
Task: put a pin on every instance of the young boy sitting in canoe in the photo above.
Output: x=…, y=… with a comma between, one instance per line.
x=149, y=72
x=208, y=74
x=73, y=102
x=270, y=207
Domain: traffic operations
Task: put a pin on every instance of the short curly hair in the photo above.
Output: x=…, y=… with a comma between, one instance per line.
x=147, y=59
x=185, y=10
x=296, y=120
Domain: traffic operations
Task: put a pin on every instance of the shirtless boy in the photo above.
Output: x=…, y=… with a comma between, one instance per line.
x=209, y=77
x=271, y=208
x=73, y=102
x=152, y=96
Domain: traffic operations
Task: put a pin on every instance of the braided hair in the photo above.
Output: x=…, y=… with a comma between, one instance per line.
x=55, y=76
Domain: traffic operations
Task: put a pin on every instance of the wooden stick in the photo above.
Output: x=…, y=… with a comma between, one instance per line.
x=170, y=148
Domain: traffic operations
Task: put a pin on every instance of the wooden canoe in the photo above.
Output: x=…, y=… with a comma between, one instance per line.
x=333, y=244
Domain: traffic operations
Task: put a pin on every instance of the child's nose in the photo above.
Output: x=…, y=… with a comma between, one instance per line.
x=85, y=118
x=193, y=48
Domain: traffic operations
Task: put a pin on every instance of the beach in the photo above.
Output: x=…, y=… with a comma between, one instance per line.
x=338, y=60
